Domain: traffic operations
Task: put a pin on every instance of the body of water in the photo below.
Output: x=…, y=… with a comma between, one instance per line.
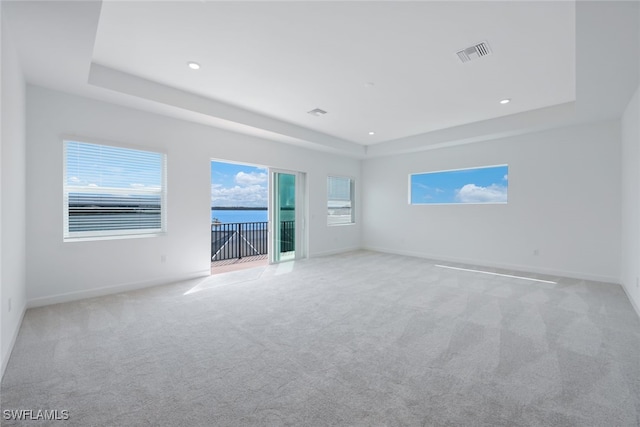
x=229, y=216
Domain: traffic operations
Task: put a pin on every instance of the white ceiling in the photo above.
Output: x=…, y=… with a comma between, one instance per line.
x=282, y=59
x=265, y=64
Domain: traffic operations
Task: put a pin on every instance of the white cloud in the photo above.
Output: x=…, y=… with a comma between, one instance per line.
x=506, y=177
x=472, y=193
x=251, y=195
x=250, y=190
x=426, y=187
x=252, y=178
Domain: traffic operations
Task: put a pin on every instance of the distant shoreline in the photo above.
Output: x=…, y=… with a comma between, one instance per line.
x=237, y=208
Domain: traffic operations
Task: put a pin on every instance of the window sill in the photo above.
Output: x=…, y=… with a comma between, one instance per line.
x=112, y=237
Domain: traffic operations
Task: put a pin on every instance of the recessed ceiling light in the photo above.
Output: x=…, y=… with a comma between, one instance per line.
x=505, y=101
x=372, y=133
x=193, y=65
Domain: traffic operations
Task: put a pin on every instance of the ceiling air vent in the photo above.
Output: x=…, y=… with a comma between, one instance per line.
x=474, y=52
x=317, y=112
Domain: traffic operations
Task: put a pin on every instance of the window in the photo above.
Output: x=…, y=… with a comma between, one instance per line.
x=112, y=191
x=340, y=201
x=487, y=184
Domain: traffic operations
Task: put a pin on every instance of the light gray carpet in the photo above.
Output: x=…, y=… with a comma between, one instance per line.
x=362, y=339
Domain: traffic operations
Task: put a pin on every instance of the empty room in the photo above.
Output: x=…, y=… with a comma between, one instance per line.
x=431, y=208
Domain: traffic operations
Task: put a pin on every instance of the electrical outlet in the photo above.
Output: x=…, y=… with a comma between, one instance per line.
x=9, y=304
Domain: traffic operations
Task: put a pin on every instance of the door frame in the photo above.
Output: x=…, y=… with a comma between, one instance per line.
x=301, y=232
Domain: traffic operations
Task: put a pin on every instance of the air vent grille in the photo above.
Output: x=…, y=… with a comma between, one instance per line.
x=476, y=51
x=317, y=112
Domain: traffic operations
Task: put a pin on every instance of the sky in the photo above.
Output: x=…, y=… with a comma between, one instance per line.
x=123, y=171
x=238, y=185
x=243, y=185
x=105, y=167
x=479, y=185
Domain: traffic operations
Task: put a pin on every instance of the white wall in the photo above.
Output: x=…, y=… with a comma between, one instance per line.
x=61, y=271
x=12, y=205
x=631, y=200
x=564, y=201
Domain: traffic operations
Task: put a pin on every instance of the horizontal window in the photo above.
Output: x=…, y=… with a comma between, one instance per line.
x=461, y=186
x=112, y=191
x=340, y=201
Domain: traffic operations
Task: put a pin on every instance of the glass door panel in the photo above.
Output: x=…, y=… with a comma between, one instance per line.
x=284, y=218
x=287, y=215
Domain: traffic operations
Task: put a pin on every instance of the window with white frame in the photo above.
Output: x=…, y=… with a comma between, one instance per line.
x=481, y=185
x=111, y=191
x=340, y=201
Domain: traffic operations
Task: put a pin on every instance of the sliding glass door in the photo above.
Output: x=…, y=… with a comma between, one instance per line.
x=287, y=215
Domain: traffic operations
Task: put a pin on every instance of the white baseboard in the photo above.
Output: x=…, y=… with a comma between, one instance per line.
x=505, y=266
x=14, y=337
x=633, y=302
x=114, y=289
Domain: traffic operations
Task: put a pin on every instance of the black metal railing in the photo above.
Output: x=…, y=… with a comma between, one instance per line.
x=238, y=240
x=243, y=239
x=287, y=236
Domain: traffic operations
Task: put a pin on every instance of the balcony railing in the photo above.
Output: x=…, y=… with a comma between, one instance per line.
x=243, y=239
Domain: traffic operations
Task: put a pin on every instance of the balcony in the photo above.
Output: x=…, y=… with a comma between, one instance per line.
x=243, y=244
